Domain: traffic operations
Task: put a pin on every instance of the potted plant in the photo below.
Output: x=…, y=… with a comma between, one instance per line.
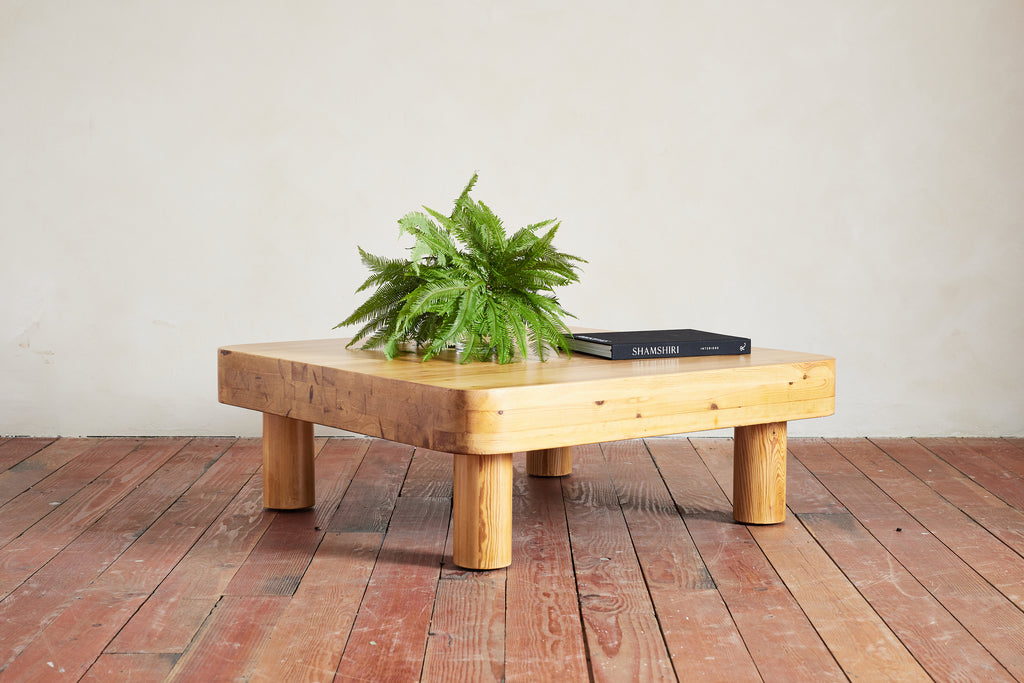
x=467, y=283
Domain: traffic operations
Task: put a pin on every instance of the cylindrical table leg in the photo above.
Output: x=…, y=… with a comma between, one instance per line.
x=759, y=474
x=549, y=462
x=288, y=482
x=482, y=510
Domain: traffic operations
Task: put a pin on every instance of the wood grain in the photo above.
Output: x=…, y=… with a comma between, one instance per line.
x=370, y=499
x=961, y=590
x=137, y=668
x=549, y=462
x=288, y=477
x=102, y=608
x=389, y=635
x=995, y=464
x=28, y=470
x=230, y=643
x=620, y=624
x=919, y=620
x=276, y=565
x=699, y=631
x=430, y=475
x=169, y=620
x=482, y=510
x=37, y=602
x=903, y=529
x=757, y=599
x=861, y=643
x=323, y=610
x=759, y=474
x=13, y=451
x=484, y=408
x=1001, y=520
x=543, y=630
x=985, y=553
x=66, y=519
x=466, y=641
x=328, y=596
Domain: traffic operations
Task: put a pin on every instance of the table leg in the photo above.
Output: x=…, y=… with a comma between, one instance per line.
x=482, y=510
x=288, y=482
x=549, y=462
x=759, y=474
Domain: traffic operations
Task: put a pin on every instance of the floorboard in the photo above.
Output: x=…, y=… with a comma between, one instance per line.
x=543, y=628
x=620, y=624
x=153, y=560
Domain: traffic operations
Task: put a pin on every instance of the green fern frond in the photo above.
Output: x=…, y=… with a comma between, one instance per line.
x=467, y=281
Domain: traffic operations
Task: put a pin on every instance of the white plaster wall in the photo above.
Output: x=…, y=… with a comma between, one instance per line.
x=838, y=177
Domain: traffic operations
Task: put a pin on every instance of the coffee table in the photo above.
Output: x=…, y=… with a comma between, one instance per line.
x=482, y=413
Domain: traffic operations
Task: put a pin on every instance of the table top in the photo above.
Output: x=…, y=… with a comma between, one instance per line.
x=526, y=405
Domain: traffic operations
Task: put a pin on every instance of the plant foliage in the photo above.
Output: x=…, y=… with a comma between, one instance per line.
x=467, y=282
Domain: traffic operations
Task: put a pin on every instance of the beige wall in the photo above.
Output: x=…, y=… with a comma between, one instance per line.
x=838, y=177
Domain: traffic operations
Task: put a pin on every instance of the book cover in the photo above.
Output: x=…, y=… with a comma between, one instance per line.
x=638, y=344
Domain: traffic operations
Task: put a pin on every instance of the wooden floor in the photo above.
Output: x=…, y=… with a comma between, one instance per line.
x=152, y=559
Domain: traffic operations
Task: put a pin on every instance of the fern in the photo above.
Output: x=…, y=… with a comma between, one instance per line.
x=467, y=282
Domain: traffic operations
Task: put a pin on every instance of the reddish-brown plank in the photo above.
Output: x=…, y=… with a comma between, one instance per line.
x=1001, y=520
x=336, y=464
x=862, y=644
x=804, y=493
x=369, y=501
x=161, y=547
x=1002, y=452
x=277, y=562
x=939, y=475
x=135, y=668
x=177, y=609
x=332, y=587
x=389, y=635
x=322, y=611
x=430, y=475
x=13, y=451
x=989, y=616
x=543, y=631
x=993, y=463
x=114, y=550
x=985, y=553
x=758, y=600
x=46, y=495
x=620, y=626
x=28, y=471
x=230, y=643
x=72, y=643
x=65, y=522
x=82, y=631
x=466, y=641
x=275, y=566
x=936, y=639
x=699, y=630
x=40, y=599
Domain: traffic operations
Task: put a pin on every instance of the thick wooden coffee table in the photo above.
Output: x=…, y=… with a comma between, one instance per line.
x=484, y=412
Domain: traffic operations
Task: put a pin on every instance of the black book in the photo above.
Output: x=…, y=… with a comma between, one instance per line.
x=657, y=344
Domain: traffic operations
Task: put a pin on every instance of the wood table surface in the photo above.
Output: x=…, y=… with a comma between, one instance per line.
x=486, y=408
x=484, y=412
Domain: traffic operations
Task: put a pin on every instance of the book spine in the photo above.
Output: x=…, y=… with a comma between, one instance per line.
x=680, y=349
